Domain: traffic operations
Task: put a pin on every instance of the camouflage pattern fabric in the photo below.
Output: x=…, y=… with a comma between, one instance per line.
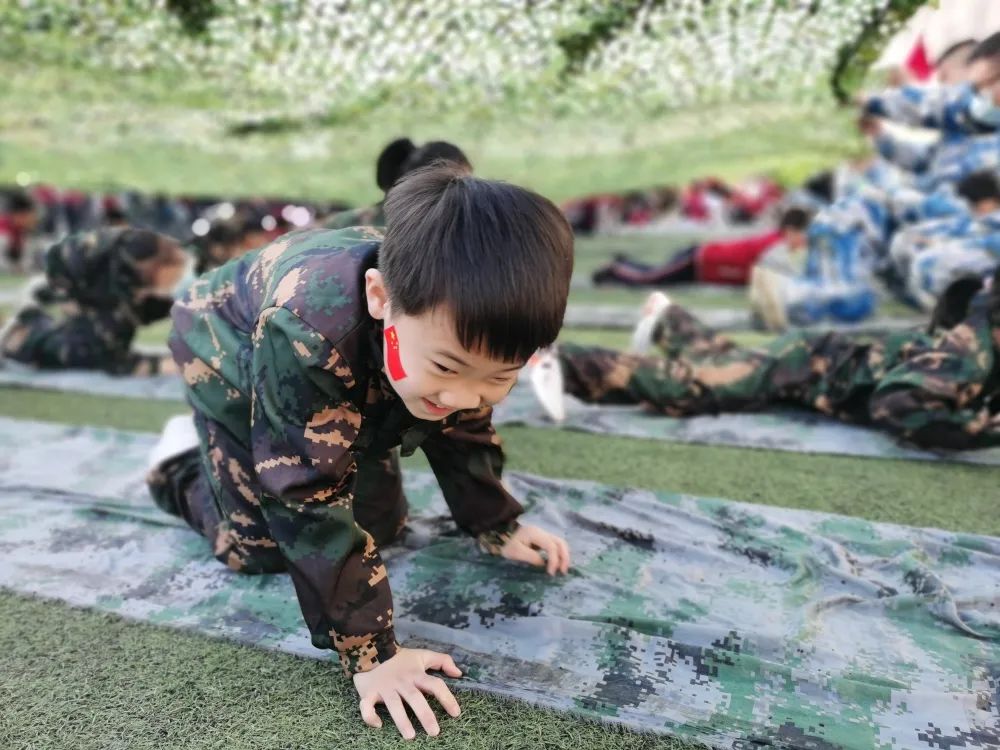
x=368, y=216
x=284, y=369
x=732, y=624
x=780, y=429
x=935, y=391
x=97, y=279
x=620, y=317
x=965, y=145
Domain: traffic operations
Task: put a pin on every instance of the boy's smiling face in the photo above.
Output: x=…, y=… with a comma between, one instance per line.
x=434, y=374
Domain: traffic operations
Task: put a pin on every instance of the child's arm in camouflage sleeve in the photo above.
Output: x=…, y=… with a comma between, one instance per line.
x=931, y=399
x=943, y=108
x=467, y=460
x=303, y=427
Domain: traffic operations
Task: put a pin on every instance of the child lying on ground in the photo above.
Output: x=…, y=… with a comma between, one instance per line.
x=719, y=262
x=311, y=361
x=938, y=391
x=106, y=284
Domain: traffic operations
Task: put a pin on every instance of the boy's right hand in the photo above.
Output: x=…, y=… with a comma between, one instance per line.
x=404, y=678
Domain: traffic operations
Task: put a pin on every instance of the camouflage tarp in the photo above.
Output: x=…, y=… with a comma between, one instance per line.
x=96, y=383
x=795, y=431
x=733, y=624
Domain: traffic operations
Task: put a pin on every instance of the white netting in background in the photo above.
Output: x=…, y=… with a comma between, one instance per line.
x=306, y=57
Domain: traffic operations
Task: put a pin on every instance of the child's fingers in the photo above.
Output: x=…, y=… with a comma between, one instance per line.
x=398, y=713
x=422, y=710
x=442, y=662
x=521, y=553
x=550, y=546
x=564, y=547
x=368, y=713
x=439, y=689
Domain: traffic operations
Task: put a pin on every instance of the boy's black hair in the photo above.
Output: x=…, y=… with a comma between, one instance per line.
x=402, y=156
x=389, y=165
x=434, y=152
x=19, y=202
x=979, y=186
x=249, y=223
x=224, y=233
x=988, y=49
x=965, y=47
x=822, y=185
x=114, y=214
x=497, y=256
x=795, y=218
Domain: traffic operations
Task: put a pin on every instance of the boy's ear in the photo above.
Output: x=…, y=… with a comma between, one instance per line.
x=376, y=294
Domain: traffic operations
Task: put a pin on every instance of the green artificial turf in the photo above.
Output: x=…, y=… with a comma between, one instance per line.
x=75, y=680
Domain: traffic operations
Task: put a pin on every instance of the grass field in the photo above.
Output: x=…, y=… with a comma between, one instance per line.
x=81, y=680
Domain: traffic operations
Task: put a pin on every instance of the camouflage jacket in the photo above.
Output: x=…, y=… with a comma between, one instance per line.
x=278, y=347
x=942, y=391
x=369, y=216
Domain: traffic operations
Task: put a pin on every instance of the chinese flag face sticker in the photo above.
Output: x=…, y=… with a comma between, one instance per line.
x=396, y=371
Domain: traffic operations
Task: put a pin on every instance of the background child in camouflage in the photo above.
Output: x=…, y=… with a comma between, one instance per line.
x=938, y=391
x=106, y=284
x=398, y=158
x=310, y=361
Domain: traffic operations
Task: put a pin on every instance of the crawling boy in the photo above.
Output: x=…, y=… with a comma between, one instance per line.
x=98, y=289
x=309, y=361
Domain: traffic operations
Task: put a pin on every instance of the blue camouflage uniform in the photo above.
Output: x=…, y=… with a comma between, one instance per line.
x=849, y=240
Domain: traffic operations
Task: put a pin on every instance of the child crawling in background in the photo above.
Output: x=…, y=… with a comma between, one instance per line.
x=106, y=284
x=935, y=390
x=310, y=361
x=718, y=262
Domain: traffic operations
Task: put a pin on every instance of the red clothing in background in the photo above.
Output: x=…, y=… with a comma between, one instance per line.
x=730, y=261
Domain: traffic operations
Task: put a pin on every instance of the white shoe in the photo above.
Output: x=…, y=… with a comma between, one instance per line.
x=768, y=299
x=642, y=337
x=30, y=294
x=179, y=436
x=547, y=382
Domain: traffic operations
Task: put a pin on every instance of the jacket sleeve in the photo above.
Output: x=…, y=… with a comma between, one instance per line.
x=906, y=153
x=931, y=398
x=303, y=426
x=943, y=108
x=467, y=460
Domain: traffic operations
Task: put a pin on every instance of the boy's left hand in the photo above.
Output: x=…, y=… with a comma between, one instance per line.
x=528, y=542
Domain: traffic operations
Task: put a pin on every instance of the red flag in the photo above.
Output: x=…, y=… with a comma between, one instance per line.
x=396, y=371
x=917, y=63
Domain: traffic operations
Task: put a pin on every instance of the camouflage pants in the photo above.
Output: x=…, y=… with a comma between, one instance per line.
x=703, y=372
x=88, y=339
x=215, y=489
